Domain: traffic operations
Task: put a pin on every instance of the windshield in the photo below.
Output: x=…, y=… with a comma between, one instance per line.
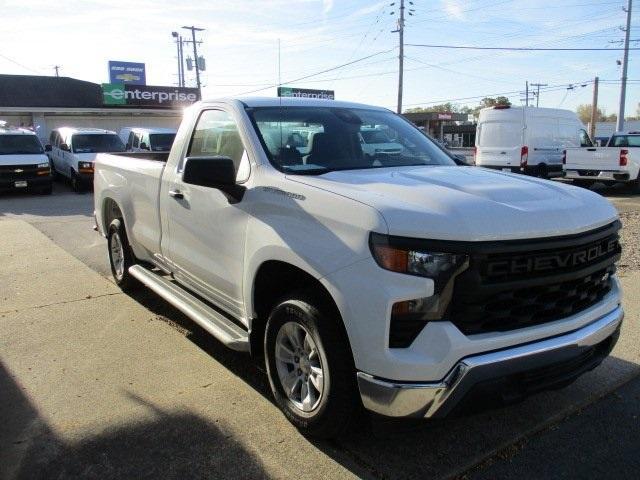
x=314, y=140
x=161, y=142
x=625, y=141
x=20, y=145
x=97, y=143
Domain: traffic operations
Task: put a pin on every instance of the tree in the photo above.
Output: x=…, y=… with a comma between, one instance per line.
x=442, y=108
x=584, y=113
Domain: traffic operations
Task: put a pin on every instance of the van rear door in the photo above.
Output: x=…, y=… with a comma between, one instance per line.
x=499, y=144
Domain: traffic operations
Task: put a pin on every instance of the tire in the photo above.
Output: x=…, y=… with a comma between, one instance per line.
x=324, y=412
x=542, y=172
x=76, y=184
x=54, y=173
x=117, y=241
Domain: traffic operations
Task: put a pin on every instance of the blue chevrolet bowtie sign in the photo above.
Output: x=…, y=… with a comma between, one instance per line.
x=130, y=73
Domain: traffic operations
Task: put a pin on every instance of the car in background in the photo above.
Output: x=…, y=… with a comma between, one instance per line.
x=148, y=139
x=376, y=142
x=23, y=163
x=72, y=152
x=527, y=140
x=619, y=161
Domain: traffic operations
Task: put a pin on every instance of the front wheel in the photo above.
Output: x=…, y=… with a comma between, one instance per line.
x=310, y=367
x=76, y=183
x=120, y=256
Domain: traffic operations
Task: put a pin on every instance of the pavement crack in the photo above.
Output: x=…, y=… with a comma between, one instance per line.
x=64, y=302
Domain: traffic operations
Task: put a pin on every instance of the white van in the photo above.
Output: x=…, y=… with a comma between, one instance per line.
x=148, y=139
x=72, y=152
x=527, y=139
x=23, y=164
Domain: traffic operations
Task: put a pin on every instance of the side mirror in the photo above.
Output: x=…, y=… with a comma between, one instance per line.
x=144, y=146
x=64, y=147
x=47, y=148
x=213, y=172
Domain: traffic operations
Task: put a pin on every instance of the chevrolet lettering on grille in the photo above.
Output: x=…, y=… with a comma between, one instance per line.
x=553, y=261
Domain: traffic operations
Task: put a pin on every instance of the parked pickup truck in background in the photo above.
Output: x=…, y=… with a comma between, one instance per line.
x=402, y=283
x=619, y=161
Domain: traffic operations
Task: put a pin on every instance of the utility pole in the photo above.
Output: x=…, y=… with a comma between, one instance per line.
x=56, y=68
x=181, y=54
x=526, y=94
x=195, y=54
x=625, y=63
x=179, y=48
x=400, y=31
x=594, y=109
x=538, y=85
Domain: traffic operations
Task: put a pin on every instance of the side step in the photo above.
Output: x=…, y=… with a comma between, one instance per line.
x=212, y=321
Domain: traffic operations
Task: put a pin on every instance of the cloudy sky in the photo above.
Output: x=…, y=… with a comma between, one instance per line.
x=241, y=46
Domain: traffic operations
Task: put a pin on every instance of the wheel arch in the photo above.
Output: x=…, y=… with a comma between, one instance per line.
x=273, y=280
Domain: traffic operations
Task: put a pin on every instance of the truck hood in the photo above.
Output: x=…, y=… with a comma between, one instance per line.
x=86, y=157
x=468, y=203
x=23, y=159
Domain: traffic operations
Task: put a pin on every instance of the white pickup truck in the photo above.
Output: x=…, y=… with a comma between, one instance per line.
x=619, y=161
x=402, y=283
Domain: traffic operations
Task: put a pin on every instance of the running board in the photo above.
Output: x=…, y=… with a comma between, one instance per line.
x=212, y=321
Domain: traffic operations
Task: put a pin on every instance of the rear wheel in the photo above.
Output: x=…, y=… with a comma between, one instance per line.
x=310, y=367
x=120, y=256
x=76, y=183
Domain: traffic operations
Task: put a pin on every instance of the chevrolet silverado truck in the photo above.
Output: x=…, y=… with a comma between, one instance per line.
x=619, y=161
x=404, y=284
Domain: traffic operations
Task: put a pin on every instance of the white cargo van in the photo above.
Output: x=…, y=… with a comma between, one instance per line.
x=527, y=139
x=73, y=150
x=148, y=139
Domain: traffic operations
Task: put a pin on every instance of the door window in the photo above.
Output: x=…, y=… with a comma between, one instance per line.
x=136, y=140
x=216, y=134
x=585, y=141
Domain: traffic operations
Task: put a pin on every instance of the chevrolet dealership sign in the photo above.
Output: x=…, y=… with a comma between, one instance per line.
x=147, y=95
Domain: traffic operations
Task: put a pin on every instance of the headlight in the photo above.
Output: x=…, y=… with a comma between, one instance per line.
x=416, y=257
x=408, y=256
x=85, y=165
x=43, y=165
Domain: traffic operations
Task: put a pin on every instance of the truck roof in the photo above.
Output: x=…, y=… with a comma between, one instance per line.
x=149, y=129
x=16, y=131
x=85, y=130
x=292, y=102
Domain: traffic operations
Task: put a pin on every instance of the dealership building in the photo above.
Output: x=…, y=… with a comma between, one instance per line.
x=46, y=103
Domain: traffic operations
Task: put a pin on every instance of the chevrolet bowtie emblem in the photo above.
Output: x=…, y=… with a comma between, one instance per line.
x=18, y=170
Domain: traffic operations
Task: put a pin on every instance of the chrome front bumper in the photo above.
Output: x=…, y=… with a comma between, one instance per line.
x=397, y=399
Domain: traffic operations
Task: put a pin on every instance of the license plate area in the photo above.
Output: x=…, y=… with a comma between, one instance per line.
x=20, y=183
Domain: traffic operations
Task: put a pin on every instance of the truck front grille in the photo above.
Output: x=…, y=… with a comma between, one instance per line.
x=18, y=172
x=512, y=285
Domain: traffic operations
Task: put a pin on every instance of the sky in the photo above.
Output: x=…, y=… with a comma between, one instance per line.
x=241, y=37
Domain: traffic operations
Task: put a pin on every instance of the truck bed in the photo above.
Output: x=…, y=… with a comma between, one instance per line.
x=132, y=180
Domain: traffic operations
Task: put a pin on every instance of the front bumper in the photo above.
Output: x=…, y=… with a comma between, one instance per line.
x=545, y=364
x=39, y=181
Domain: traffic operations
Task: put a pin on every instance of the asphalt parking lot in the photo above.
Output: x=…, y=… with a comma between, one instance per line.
x=98, y=384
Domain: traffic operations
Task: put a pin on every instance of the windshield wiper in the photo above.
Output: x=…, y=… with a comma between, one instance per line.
x=307, y=170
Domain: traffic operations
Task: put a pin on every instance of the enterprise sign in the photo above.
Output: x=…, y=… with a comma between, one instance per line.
x=306, y=93
x=148, y=95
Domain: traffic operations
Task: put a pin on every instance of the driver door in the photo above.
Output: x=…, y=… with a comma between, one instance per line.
x=205, y=238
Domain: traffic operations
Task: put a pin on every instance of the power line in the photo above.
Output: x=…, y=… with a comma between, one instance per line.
x=534, y=49
x=320, y=72
x=19, y=64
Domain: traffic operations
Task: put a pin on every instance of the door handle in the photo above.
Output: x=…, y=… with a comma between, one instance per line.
x=177, y=194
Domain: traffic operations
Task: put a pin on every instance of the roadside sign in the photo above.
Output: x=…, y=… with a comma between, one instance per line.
x=306, y=93
x=131, y=73
x=148, y=95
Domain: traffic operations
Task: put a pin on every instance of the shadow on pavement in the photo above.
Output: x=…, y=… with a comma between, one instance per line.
x=63, y=199
x=174, y=445
x=387, y=448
